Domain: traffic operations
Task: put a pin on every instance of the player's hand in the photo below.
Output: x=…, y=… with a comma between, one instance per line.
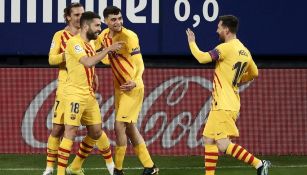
x=128, y=86
x=190, y=35
x=117, y=46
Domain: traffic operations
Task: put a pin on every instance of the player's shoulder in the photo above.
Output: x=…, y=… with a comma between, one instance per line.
x=222, y=47
x=104, y=32
x=59, y=32
x=243, y=48
x=129, y=33
x=74, y=40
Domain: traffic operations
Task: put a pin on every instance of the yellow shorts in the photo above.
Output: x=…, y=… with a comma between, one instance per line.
x=83, y=111
x=128, y=105
x=221, y=124
x=58, y=110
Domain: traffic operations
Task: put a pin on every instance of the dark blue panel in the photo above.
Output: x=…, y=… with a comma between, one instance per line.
x=266, y=27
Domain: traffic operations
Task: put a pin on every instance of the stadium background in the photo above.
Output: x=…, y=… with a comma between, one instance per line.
x=273, y=118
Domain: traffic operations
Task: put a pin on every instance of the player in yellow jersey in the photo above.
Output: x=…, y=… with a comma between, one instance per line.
x=234, y=66
x=127, y=67
x=72, y=14
x=81, y=107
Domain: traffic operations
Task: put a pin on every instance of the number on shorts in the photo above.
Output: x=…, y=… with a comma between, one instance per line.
x=74, y=107
x=57, y=102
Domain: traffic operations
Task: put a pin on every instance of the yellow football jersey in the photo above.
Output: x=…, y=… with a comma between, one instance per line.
x=127, y=63
x=233, y=60
x=80, y=78
x=58, y=46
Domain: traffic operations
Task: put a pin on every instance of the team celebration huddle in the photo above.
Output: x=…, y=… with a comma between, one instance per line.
x=83, y=43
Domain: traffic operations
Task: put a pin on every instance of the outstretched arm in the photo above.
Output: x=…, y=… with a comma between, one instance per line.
x=202, y=57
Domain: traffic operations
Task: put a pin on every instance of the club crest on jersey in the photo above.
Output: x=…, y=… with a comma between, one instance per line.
x=73, y=116
x=78, y=48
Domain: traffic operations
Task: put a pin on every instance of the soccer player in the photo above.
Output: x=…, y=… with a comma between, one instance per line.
x=127, y=67
x=72, y=14
x=234, y=66
x=80, y=105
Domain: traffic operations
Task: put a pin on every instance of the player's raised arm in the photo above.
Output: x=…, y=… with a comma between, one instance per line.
x=202, y=57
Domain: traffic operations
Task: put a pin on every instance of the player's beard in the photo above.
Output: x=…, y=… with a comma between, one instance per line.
x=91, y=35
x=222, y=38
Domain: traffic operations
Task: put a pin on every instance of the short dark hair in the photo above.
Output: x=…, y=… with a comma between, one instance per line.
x=67, y=10
x=111, y=10
x=231, y=22
x=87, y=17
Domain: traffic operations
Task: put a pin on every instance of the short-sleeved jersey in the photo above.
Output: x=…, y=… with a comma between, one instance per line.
x=233, y=59
x=57, y=47
x=80, y=78
x=128, y=61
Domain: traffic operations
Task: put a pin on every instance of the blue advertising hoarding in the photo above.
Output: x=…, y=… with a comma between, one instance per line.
x=266, y=27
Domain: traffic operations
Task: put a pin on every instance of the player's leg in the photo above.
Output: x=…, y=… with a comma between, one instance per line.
x=103, y=145
x=72, y=118
x=121, y=146
x=228, y=129
x=240, y=153
x=92, y=119
x=211, y=151
x=141, y=150
x=120, y=131
x=65, y=148
x=85, y=148
x=54, y=138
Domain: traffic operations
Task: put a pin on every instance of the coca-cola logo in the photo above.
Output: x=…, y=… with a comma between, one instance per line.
x=167, y=126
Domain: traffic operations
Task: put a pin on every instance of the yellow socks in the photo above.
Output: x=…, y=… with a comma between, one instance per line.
x=85, y=148
x=240, y=153
x=211, y=157
x=103, y=145
x=52, y=150
x=143, y=154
x=120, y=152
x=63, y=155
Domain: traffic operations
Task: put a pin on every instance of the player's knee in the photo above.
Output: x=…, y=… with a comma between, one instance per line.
x=70, y=132
x=120, y=128
x=222, y=144
x=208, y=141
x=57, y=131
x=95, y=134
x=222, y=148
